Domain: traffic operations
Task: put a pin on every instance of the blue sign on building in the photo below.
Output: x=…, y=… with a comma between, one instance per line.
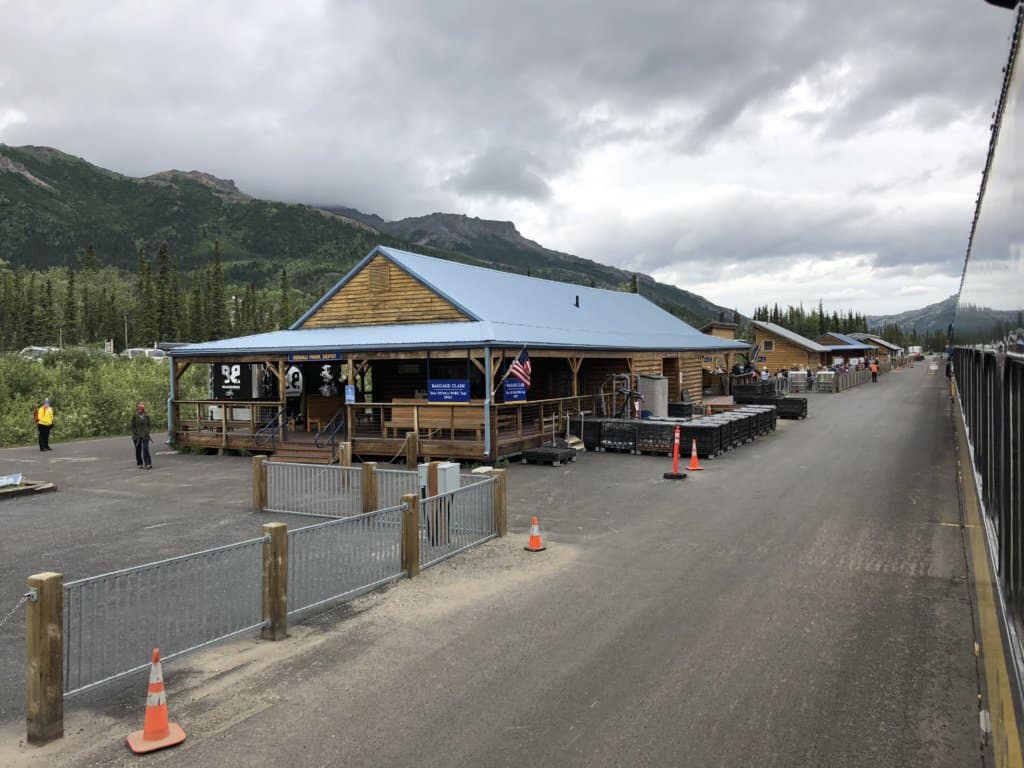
x=350, y=393
x=515, y=390
x=448, y=390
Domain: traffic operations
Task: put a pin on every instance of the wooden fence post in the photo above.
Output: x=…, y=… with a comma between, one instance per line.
x=44, y=657
x=345, y=454
x=500, y=502
x=275, y=581
x=259, y=483
x=369, y=486
x=432, y=478
x=412, y=449
x=411, y=535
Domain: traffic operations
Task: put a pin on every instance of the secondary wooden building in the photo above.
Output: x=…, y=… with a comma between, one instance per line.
x=845, y=348
x=883, y=350
x=409, y=347
x=780, y=347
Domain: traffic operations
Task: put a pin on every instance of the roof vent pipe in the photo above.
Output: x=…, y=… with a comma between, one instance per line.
x=577, y=301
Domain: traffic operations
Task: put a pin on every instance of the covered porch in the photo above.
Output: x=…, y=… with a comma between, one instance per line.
x=450, y=403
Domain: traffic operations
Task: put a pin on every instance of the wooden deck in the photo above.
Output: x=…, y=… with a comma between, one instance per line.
x=378, y=430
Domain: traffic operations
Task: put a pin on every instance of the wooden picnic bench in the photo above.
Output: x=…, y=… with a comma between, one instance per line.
x=433, y=418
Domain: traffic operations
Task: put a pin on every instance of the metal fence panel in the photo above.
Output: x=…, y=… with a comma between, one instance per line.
x=113, y=622
x=452, y=522
x=393, y=484
x=314, y=489
x=342, y=558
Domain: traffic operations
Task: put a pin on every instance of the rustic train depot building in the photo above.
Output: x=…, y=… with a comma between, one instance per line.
x=469, y=363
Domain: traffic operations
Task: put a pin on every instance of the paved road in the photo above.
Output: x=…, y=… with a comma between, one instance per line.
x=802, y=602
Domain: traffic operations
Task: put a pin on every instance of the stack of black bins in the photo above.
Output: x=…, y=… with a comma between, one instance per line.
x=753, y=389
x=765, y=417
x=788, y=407
x=714, y=434
x=618, y=435
x=792, y=408
x=680, y=410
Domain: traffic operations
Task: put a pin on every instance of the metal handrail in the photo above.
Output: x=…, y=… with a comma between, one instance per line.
x=331, y=428
x=271, y=427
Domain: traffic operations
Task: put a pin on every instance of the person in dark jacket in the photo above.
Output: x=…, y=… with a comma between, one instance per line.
x=140, y=436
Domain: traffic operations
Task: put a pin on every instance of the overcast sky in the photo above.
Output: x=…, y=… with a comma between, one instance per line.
x=748, y=151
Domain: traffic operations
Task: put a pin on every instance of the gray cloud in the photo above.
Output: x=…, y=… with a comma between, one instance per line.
x=507, y=172
x=401, y=107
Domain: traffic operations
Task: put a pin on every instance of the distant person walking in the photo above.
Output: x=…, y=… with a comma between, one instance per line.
x=874, y=371
x=140, y=436
x=44, y=423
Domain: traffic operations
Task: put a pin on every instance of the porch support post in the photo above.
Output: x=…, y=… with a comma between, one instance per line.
x=171, y=397
x=282, y=399
x=349, y=409
x=574, y=366
x=488, y=377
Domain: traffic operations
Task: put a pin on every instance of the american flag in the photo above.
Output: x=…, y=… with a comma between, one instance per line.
x=521, y=368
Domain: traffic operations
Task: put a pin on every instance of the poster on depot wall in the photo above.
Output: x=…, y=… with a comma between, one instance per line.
x=448, y=390
x=515, y=391
x=231, y=381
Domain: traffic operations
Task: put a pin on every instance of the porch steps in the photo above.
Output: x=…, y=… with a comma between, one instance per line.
x=304, y=453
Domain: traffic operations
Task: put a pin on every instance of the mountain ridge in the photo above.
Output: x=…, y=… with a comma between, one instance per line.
x=53, y=205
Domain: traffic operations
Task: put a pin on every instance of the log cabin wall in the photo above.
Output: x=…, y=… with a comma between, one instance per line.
x=382, y=293
x=647, y=363
x=784, y=353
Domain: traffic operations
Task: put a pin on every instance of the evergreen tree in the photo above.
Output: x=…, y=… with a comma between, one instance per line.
x=49, y=335
x=143, y=331
x=70, y=326
x=284, y=313
x=163, y=293
x=196, y=315
x=217, y=316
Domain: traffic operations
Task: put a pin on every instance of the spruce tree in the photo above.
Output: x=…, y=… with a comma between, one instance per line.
x=162, y=292
x=196, y=319
x=219, y=320
x=47, y=316
x=70, y=326
x=284, y=313
x=142, y=332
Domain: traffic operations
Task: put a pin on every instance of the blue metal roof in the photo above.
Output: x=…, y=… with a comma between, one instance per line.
x=873, y=339
x=849, y=344
x=507, y=310
x=789, y=335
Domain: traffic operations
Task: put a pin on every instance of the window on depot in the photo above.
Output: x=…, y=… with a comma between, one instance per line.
x=769, y=346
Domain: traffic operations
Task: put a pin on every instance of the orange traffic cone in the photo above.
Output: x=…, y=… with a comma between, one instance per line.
x=156, y=732
x=534, y=545
x=694, y=464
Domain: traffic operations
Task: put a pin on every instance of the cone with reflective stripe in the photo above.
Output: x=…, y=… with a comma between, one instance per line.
x=694, y=464
x=156, y=732
x=534, y=544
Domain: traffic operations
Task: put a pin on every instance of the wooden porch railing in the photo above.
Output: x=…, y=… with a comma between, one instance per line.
x=442, y=426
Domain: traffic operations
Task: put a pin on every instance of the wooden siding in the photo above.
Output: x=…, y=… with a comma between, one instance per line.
x=722, y=333
x=647, y=363
x=364, y=301
x=784, y=353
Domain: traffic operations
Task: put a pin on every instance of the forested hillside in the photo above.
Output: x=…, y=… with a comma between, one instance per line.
x=87, y=254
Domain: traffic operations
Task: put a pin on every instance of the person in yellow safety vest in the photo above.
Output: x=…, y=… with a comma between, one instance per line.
x=874, y=371
x=44, y=422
